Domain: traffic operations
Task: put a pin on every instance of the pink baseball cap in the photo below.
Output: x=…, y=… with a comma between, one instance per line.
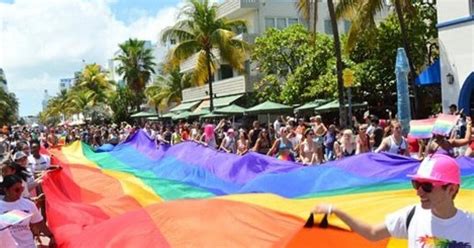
x=438, y=168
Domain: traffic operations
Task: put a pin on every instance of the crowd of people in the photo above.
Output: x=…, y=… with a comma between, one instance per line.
x=306, y=141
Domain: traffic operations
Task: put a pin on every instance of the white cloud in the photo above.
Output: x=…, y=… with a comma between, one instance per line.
x=43, y=41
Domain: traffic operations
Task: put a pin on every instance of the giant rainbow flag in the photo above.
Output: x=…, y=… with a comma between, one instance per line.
x=188, y=195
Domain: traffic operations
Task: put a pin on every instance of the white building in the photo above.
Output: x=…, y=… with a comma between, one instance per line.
x=260, y=15
x=65, y=83
x=46, y=98
x=456, y=42
x=3, y=80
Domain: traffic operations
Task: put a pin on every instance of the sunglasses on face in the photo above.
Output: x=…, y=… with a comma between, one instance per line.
x=426, y=186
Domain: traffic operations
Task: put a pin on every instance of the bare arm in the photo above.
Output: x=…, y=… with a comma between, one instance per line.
x=370, y=232
x=257, y=145
x=273, y=149
x=358, y=145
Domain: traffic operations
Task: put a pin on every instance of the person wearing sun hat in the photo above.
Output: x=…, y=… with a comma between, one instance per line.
x=436, y=220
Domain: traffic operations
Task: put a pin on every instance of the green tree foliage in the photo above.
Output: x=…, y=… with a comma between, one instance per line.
x=136, y=67
x=167, y=88
x=202, y=34
x=8, y=108
x=120, y=101
x=375, y=53
x=297, y=68
x=88, y=96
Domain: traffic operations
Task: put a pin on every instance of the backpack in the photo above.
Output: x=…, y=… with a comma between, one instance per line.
x=409, y=217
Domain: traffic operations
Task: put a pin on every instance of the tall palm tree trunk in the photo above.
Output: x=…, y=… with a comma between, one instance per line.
x=337, y=52
x=209, y=73
x=406, y=45
x=315, y=16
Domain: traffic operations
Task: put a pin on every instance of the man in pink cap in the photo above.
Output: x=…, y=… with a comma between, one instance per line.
x=435, y=221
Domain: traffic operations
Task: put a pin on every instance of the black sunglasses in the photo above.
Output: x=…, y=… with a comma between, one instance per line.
x=426, y=186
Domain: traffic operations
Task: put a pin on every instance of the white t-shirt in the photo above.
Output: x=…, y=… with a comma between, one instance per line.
x=21, y=232
x=426, y=229
x=40, y=164
x=6, y=238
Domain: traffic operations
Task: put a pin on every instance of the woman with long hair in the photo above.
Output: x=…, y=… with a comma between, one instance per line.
x=209, y=137
x=346, y=146
x=242, y=142
x=24, y=231
x=308, y=153
x=262, y=145
x=282, y=147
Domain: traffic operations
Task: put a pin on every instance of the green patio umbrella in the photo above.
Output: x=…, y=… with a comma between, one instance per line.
x=334, y=106
x=311, y=105
x=231, y=109
x=143, y=114
x=212, y=115
x=153, y=118
x=182, y=115
x=168, y=115
x=268, y=107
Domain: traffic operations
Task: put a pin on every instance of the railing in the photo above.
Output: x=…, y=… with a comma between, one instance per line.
x=229, y=86
x=229, y=6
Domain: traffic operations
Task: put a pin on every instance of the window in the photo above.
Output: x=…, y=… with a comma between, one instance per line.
x=225, y=72
x=172, y=41
x=472, y=7
x=269, y=23
x=292, y=21
x=281, y=23
x=327, y=27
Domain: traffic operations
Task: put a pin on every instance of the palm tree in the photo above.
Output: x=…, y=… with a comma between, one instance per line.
x=94, y=79
x=82, y=100
x=167, y=89
x=136, y=66
x=201, y=32
x=362, y=13
x=306, y=8
x=337, y=53
x=59, y=105
x=8, y=107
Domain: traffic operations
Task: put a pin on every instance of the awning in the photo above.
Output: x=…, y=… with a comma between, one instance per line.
x=311, y=105
x=220, y=102
x=334, y=105
x=185, y=106
x=430, y=76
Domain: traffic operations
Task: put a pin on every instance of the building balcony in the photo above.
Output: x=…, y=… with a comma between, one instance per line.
x=225, y=87
x=234, y=8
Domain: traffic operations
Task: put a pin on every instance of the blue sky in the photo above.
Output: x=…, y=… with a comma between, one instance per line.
x=42, y=41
